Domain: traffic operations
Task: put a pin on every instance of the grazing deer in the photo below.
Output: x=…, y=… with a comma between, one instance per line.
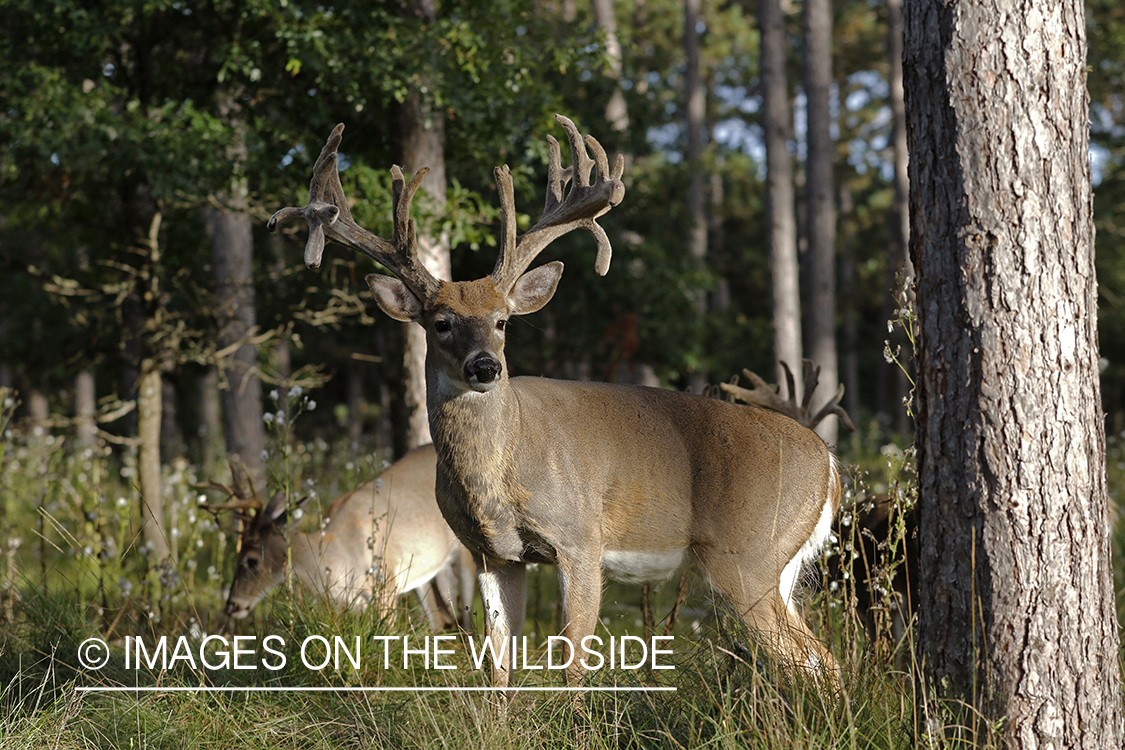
x=591, y=477
x=378, y=541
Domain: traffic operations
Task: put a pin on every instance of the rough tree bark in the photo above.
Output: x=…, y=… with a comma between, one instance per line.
x=779, y=191
x=422, y=127
x=1017, y=612
x=820, y=199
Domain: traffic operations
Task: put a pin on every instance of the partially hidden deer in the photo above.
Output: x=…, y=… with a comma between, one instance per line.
x=381, y=540
x=628, y=481
x=879, y=552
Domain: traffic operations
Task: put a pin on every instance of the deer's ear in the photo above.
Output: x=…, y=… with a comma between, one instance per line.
x=394, y=298
x=535, y=288
x=275, y=511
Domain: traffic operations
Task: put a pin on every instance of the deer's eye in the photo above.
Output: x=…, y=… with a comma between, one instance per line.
x=442, y=326
x=501, y=325
x=251, y=564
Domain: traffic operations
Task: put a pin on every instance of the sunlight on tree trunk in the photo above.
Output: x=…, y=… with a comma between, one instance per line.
x=1017, y=616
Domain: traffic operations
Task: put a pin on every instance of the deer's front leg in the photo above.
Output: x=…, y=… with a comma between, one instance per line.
x=503, y=590
x=580, y=581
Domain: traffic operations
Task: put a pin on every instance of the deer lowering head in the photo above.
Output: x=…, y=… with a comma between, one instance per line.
x=379, y=541
x=636, y=482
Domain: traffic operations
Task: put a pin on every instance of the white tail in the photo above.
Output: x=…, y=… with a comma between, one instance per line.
x=633, y=481
x=379, y=541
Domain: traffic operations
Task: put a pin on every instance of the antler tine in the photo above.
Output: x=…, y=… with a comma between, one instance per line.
x=833, y=407
x=589, y=198
x=329, y=217
x=811, y=375
x=763, y=395
x=237, y=503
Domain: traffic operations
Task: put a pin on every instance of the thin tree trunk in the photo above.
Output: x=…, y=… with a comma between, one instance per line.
x=234, y=296
x=1017, y=615
x=423, y=145
x=211, y=423
x=171, y=439
x=355, y=402
x=38, y=408
x=85, y=408
x=149, y=408
x=696, y=110
x=605, y=18
x=894, y=385
x=779, y=191
x=850, y=327
x=820, y=204
x=233, y=253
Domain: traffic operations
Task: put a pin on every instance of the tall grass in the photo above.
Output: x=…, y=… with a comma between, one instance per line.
x=78, y=570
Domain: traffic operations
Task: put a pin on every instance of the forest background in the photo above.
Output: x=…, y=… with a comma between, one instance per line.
x=143, y=145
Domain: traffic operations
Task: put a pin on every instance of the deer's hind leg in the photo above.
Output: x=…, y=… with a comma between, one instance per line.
x=765, y=608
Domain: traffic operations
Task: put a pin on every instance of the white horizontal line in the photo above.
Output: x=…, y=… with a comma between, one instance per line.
x=282, y=689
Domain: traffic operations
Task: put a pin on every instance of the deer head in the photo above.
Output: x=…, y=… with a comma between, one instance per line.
x=466, y=321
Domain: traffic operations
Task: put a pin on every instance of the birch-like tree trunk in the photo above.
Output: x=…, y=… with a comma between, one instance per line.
x=1017, y=615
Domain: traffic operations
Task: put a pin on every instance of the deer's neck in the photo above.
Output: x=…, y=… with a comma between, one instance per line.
x=470, y=429
x=304, y=559
x=474, y=434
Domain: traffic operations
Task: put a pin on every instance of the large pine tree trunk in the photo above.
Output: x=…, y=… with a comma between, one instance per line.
x=1017, y=610
x=820, y=201
x=779, y=191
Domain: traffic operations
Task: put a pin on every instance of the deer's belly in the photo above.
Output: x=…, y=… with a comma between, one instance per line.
x=630, y=566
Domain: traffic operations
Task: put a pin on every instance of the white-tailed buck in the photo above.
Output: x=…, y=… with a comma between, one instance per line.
x=379, y=541
x=592, y=477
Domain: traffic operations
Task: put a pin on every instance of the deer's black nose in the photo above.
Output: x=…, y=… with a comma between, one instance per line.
x=484, y=368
